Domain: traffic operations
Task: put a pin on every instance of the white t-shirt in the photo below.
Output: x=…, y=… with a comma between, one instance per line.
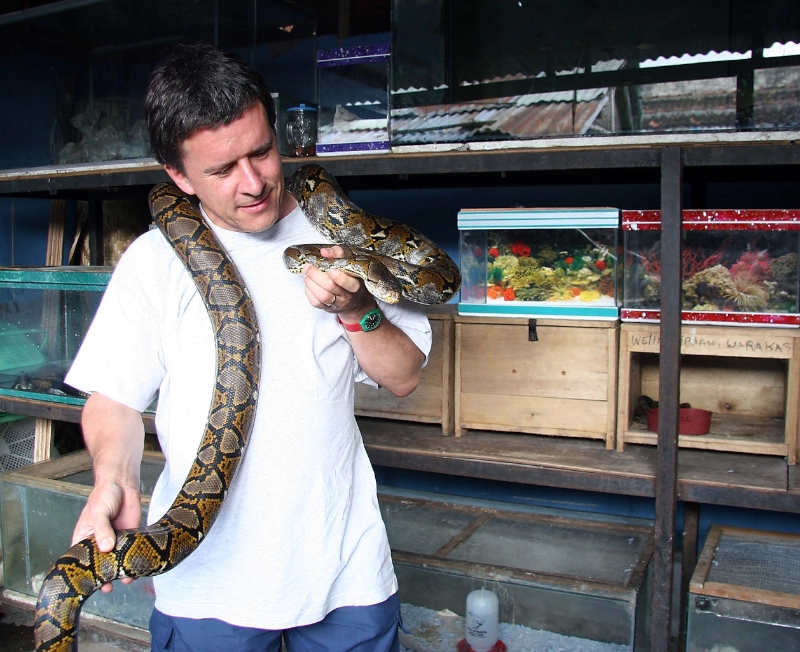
x=300, y=532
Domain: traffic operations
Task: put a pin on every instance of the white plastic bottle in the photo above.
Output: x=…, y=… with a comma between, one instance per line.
x=483, y=609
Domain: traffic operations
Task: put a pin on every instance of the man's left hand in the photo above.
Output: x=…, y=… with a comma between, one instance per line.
x=336, y=291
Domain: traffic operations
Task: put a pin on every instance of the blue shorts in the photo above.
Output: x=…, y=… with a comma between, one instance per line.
x=347, y=629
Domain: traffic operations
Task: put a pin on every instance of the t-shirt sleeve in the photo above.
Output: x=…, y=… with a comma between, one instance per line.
x=412, y=320
x=120, y=356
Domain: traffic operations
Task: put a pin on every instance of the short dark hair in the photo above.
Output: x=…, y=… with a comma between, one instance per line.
x=199, y=86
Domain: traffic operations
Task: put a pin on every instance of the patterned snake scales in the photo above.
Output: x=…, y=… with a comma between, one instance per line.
x=417, y=269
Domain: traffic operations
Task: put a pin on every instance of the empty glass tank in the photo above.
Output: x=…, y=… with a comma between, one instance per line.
x=353, y=100
x=478, y=70
x=577, y=577
x=539, y=262
x=39, y=510
x=44, y=315
x=738, y=266
x=745, y=593
x=78, y=71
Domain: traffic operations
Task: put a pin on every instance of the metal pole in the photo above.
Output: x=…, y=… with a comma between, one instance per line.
x=668, y=397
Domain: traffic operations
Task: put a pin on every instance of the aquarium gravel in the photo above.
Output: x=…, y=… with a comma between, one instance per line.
x=440, y=631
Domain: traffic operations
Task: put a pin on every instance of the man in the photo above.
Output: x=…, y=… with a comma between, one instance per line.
x=299, y=549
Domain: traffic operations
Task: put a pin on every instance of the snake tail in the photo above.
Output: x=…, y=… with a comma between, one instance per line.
x=155, y=549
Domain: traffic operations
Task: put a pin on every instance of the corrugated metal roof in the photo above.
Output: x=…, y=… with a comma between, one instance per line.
x=523, y=116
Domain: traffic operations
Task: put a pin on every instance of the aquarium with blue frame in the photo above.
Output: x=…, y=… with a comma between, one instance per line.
x=539, y=262
x=739, y=267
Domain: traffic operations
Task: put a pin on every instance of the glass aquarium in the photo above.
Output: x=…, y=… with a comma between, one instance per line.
x=745, y=592
x=353, y=100
x=587, y=578
x=79, y=70
x=44, y=315
x=39, y=506
x=479, y=70
x=582, y=578
x=539, y=262
x=738, y=266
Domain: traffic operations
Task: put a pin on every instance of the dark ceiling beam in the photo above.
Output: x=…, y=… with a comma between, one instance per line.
x=344, y=19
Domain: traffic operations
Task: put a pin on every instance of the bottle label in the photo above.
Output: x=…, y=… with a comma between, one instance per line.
x=476, y=625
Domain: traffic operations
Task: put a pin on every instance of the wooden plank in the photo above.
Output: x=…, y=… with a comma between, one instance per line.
x=705, y=560
x=745, y=386
x=457, y=388
x=728, y=432
x=51, y=317
x=55, y=468
x=534, y=415
x=627, y=387
x=522, y=450
x=56, y=411
x=711, y=444
x=55, y=233
x=611, y=386
x=448, y=373
x=426, y=403
x=749, y=594
x=775, y=343
x=42, y=439
x=566, y=362
x=794, y=479
x=462, y=536
x=696, y=468
x=743, y=471
x=793, y=406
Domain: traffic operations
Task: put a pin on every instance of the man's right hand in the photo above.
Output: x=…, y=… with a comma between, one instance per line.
x=110, y=507
x=114, y=435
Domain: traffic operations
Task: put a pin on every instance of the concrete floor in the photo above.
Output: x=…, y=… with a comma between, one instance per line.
x=18, y=637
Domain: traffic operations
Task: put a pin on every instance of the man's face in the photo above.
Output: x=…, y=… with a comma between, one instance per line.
x=235, y=170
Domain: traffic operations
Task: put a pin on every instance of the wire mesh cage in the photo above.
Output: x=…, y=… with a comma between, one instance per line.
x=16, y=443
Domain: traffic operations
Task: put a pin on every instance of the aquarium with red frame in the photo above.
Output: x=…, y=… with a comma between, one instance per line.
x=738, y=267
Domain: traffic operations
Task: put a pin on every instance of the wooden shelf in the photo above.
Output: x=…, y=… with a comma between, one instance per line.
x=712, y=477
x=546, y=155
x=729, y=432
x=759, y=413
x=56, y=411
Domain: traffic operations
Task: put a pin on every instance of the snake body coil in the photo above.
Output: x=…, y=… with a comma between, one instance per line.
x=393, y=260
x=155, y=549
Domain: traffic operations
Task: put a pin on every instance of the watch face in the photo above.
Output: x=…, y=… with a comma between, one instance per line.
x=371, y=320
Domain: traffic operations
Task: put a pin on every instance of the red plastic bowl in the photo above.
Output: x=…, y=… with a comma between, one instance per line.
x=693, y=421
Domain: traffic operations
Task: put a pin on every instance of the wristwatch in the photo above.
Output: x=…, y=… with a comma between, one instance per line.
x=369, y=322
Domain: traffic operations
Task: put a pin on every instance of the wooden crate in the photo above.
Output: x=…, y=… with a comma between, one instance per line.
x=562, y=384
x=749, y=378
x=744, y=593
x=432, y=401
